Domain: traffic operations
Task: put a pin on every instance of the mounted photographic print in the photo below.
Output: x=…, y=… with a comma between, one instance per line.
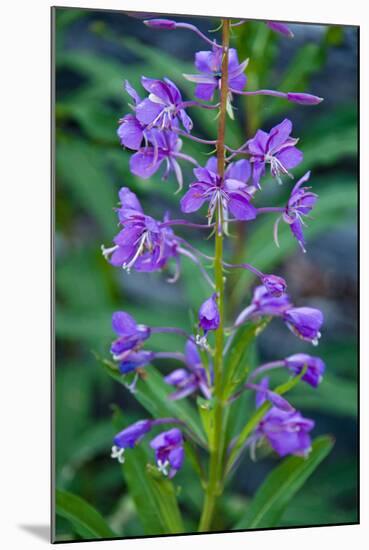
x=206, y=280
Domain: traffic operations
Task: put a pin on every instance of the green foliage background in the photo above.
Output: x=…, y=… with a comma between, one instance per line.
x=94, y=53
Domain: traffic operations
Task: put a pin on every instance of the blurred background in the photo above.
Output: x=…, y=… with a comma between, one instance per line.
x=95, y=51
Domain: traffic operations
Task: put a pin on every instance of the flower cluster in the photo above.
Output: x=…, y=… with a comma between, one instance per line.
x=154, y=131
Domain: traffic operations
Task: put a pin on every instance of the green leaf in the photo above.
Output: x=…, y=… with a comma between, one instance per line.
x=237, y=360
x=167, y=501
x=281, y=485
x=141, y=489
x=87, y=521
x=152, y=392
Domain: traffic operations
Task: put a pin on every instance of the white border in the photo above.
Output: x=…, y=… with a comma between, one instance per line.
x=24, y=494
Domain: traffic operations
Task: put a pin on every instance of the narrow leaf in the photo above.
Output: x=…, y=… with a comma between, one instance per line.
x=87, y=521
x=281, y=485
x=237, y=359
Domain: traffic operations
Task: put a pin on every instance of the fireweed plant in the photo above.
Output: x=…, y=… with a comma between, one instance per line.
x=210, y=367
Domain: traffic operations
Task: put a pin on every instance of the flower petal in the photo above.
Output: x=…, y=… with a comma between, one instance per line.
x=193, y=199
x=123, y=323
x=130, y=132
x=206, y=91
x=208, y=62
x=145, y=163
x=147, y=111
x=240, y=170
x=279, y=134
x=241, y=208
x=290, y=157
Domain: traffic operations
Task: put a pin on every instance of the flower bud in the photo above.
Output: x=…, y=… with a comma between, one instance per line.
x=304, y=99
x=275, y=285
x=280, y=28
x=305, y=322
x=166, y=24
x=209, y=318
x=315, y=367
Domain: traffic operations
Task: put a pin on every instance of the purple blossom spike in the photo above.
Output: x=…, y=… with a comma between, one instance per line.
x=209, y=317
x=304, y=322
x=276, y=148
x=142, y=244
x=276, y=286
x=315, y=367
x=264, y=304
x=280, y=28
x=209, y=64
x=165, y=147
x=163, y=108
x=287, y=432
x=130, y=334
x=300, y=203
x=228, y=194
x=169, y=451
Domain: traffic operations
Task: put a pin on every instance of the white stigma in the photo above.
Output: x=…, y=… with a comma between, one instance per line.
x=202, y=342
x=127, y=266
x=107, y=251
x=163, y=467
x=117, y=452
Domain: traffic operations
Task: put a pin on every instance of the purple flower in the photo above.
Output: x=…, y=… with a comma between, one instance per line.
x=300, y=203
x=163, y=108
x=131, y=131
x=132, y=360
x=209, y=317
x=304, y=322
x=280, y=28
x=169, y=451
x=147, y=160
x=228, y=193
x=315, y=367
x=286, y=431
x=130, y=334
x=276, y=286
x=209, y=63
x=276, y=148
x=129, y=437
x=187, y=381
x=264, y=303
x=142, y=244
x=133, y=434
